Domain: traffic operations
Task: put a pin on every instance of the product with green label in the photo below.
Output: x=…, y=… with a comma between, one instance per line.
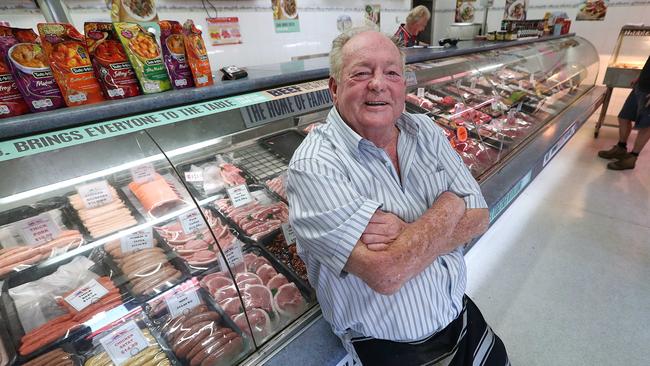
x=145, y=56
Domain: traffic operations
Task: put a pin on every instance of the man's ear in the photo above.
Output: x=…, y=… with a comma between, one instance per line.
x=333, y=88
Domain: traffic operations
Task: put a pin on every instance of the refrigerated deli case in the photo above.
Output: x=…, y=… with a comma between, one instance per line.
x=163, y=236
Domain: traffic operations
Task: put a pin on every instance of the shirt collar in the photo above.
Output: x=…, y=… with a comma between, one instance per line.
x=353, y=142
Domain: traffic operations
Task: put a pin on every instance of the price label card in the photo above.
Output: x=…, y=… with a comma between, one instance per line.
x=410, y=78
x=289, y=235
x=194, y=176
x=86, y=295
x=138, y=240
x=519, y=106
x=95, y=194
x=532, y=79
x=473, y=83
x=192, y=222
x=234, y=255
x=182, y=302
x=239, y=195
x=124, y=342
x=143, y=173
x=420, y=93
x=38, y=230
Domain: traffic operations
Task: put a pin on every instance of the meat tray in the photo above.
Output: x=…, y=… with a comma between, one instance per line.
x=172, y=258
x=284, y=258
x=90, y=346
x=255, y=190
x=256, y=260
x=65, y=347
x=68, y=217
x=283, y=178
x=283, y=144
x=169, y=175
x=196, y=188
x=159, y=315
x=9, y=311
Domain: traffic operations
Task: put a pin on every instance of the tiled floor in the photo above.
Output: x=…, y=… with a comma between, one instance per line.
x=564, y=275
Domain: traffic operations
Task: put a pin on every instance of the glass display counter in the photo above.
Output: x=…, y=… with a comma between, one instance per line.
x=164, y=236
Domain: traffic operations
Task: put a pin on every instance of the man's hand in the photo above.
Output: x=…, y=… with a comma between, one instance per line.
x=383, y=229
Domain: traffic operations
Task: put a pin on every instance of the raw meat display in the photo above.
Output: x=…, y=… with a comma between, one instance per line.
x=57, y=357
x=288, y=255
x=231, y=174
x=18, y=257
x=156, y=196
x=147, y=271
x=277, y=185
x=469, y=114
x=257, y=287
x=197, y=248
x=216, y=176
x=288, y=301
x=256, y=219
x=200, y=338
x=151, y=355
x=106, y=219
x=421, y=102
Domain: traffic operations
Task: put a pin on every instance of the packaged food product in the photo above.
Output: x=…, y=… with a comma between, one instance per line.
x=145, y=56
x=11, y=101
x=58, y=357
x=31, y=71
x=173, y=48
x=67, y=54
x=112, y=68
x=133, y=10
x=197, y=55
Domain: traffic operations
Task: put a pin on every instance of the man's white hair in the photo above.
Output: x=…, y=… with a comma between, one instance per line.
x=417, y=13
x=336, y=54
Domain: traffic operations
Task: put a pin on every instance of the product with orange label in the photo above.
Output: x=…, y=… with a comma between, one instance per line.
x=173, y=48
x=11, y=102
x=145, y=56
x=66, y=52
x=197, y=55
x=112, y=68
x=31, y=72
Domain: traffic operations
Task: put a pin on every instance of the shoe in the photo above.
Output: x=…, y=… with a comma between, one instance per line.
x=627, y=162
x=616, y=152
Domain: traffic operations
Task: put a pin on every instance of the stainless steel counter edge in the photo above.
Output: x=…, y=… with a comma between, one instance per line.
x=260, y=78
x=317, y=345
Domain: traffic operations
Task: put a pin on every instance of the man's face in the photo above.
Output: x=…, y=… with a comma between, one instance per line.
x=371, y=91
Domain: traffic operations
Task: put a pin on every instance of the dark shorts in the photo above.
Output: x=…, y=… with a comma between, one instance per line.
x=635, y=110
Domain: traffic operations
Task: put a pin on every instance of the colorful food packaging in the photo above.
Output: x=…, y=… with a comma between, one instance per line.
x=173, y=48
x=32, y=72
x=11, y=102
x=112, y=68
x=197, y=55
x=66, y=52
x=145, y=56
x=133, y=11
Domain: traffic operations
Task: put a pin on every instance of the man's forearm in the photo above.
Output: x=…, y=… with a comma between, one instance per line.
x=473, y=223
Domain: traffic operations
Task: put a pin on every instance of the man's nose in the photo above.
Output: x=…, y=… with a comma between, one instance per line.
x=378, y=82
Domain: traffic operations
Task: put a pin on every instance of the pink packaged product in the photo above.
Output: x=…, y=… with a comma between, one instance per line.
x=173, y=49
x=11, y=102
x=30, y=69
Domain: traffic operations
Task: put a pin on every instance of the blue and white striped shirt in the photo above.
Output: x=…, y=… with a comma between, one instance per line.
x=336, y=181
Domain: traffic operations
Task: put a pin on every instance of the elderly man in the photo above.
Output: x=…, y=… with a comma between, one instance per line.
x=381, y=206
x=416, y=21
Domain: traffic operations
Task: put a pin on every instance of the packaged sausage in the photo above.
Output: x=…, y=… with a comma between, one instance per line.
x=53, y=304
x=11, y=101
x=127, y=341
x=145, y=56
x=196, y=330
x=32, y=234
x=58, y=357
x=173, y=48
x=67, y=54
x=197, y=55
x=112, y=68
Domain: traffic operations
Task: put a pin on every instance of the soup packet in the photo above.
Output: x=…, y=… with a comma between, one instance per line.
x=66, y=52
x=197, y=55
x=112, y=68
x=11, y=102
x=173, y=49
x=31, y=71
x=145, y=56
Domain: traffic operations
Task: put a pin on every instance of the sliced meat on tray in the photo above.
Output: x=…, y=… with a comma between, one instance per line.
x=256, y=219
x=156, y=196
x=289, y=302
x=277, y=185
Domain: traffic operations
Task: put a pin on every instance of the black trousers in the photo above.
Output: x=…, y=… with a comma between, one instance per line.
x=467, y=340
